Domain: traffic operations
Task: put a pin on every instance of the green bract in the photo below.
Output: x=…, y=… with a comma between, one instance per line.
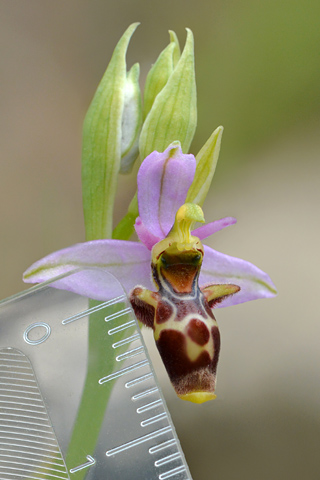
x=109, y=131
x=207, y=160
x=131, y=120
x=173, y=115
x=160, y=72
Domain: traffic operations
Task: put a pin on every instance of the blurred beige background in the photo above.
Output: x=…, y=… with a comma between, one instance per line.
x=258, y=74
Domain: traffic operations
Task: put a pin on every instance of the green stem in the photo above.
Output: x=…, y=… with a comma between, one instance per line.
x=125, y=227
x=95, y=397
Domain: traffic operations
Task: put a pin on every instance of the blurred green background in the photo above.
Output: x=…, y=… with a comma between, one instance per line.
x=258, y=74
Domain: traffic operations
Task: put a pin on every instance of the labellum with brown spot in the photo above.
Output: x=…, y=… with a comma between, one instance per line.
x=180, y=312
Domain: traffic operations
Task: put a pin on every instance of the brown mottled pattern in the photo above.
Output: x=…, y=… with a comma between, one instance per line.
x=163, y=312
x=185, y=329
x=185, y=307
x=208, y=309
x=185, y=375
x=217, y=343
x=198, y=331
x=144, y=312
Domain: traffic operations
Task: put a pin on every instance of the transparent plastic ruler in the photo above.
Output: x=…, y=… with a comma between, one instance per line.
x=78, y=395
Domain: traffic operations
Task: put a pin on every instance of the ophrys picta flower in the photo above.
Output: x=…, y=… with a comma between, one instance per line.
x=185, y=329
x=164, y=180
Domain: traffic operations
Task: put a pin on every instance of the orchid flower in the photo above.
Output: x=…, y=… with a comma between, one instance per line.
x=163, y=183
x=185, y=330
x=163, y=225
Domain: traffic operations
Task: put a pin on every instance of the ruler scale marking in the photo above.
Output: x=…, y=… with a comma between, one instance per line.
x=151, y=420
x=25, y=428
x=172, y=473
x=138, y=441
x=145, y=393
x=130, y=339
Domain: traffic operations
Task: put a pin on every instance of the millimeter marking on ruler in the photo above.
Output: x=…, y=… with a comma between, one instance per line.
x=149, y=406
x=145, y=393
x=21, y=457
x=168, y=459
x=73, y=318
x=172, y=472
x=26, y=470
x=13, y=450
x=91, y=461
x=134, y=382
x=138, y=441
x=124, y=326
x=119, y=373
x=154, y=419
x=118, y=314
x=162, y=446
x=130, y=353
x=136, y=336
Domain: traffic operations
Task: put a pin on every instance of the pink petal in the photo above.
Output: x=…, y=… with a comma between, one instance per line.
x=220, y=268
x=146, y=237
x=163, y=182
x=129, y=262
x=210, y=228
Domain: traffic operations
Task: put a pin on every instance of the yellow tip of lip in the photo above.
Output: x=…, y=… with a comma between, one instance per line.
x=198, y=397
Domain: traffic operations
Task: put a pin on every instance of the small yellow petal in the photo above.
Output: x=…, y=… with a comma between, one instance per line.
x=198, y=397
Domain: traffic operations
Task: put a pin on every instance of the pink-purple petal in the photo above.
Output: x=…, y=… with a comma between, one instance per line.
x=163, y=182
x=129, y=262
x=145, y=236
x=220, y=268
x=210, y=228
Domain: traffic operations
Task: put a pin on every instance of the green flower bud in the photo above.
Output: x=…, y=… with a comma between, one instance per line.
x=160, y=72
x=173, y=115
x=131, y=120
x=104, y=142
x=176, y=52
x=207, y=160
